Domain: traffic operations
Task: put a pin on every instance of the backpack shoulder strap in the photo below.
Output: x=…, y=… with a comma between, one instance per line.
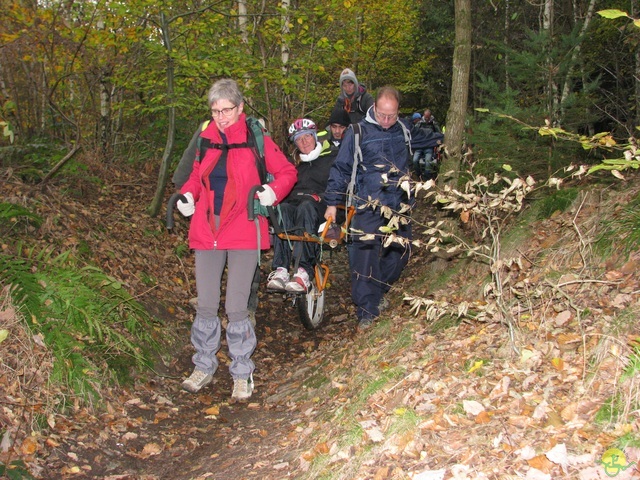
x=203, y=143
x=357, y=158
x=255, y=140
x=407, y=136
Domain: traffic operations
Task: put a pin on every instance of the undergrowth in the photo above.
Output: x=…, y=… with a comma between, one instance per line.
x=622, y=231
x=96, y=330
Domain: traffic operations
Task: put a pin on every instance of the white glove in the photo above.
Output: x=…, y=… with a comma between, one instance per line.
x=267, y=196
x=187, y=208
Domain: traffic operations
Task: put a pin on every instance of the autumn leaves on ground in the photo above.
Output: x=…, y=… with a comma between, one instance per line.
x=414, y=398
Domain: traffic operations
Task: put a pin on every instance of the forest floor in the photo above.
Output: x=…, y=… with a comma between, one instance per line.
x=409, y=399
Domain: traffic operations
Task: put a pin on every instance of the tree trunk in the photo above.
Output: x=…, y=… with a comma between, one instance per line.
x=457, y=114
x=568, y=79
x=163, y=174
x=507, y=36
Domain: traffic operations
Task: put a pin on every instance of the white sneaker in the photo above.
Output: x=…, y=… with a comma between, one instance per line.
x=300, y=282
x=196, y=381
x=242, y=389
x=278, y=279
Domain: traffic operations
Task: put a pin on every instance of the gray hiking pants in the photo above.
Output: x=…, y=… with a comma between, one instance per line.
x=205, y=331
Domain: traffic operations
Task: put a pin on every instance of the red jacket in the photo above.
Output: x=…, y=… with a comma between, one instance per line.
x=235, y=231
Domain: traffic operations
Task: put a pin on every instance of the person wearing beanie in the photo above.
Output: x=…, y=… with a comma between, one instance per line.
x=338, y=123
x=302, y=210
x=353, y=98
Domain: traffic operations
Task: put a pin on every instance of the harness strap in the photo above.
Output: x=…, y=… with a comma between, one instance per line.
x=357, y=158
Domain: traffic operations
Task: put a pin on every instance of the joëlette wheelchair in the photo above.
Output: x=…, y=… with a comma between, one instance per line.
x=310, y=305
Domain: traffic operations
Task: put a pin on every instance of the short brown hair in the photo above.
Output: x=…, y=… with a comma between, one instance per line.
x=388, y=92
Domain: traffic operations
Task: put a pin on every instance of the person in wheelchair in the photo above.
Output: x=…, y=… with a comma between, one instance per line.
x=303, y=209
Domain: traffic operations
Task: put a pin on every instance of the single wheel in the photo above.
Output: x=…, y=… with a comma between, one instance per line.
x=311, y=306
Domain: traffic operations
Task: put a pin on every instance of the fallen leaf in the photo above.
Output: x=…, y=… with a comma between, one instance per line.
x=151, y=449
x=562, y=318
x=540, y=462
x=557, y=363
x=321, y=448
x=472, y=407
x=483, y=417
x=476, y=366
x=215, y=410
x=29, y=446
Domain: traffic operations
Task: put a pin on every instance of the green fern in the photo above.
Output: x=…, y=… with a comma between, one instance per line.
x=86, y=317
x=11, y=215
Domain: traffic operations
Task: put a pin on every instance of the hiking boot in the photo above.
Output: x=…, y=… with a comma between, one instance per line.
x=278, y=279
x=300, y=282
x=364, y=324
x=383, y=305
x=242, y=389
x=193, y=303
x=196, y=381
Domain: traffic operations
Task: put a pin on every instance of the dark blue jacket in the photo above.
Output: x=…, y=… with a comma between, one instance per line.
x=383, y=152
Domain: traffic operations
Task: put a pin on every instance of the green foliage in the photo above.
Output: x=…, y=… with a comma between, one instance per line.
x=505, y=136
x=16, y=470
x=88, y=320
x=12, y=216
x=558, y=200
x=181, y=250
x=444, y=323
x=622, y=232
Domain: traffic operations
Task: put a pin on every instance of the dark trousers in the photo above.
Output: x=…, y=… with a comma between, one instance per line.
x=296, y=219
x=374, y=268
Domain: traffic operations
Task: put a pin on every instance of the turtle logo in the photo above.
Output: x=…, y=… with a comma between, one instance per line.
x=614, y=461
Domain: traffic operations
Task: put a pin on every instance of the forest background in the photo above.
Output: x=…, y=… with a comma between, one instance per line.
x=125, y=82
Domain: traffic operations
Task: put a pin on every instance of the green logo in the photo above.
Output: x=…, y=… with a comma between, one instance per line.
x=614, y=461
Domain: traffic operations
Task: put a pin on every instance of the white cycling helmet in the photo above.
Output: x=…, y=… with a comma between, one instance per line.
x=302, y=126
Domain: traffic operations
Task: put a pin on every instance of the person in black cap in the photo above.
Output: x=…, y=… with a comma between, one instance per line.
x=338, y=123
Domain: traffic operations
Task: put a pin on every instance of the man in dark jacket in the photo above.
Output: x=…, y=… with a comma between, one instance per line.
x=353, y=98
x=381, y=176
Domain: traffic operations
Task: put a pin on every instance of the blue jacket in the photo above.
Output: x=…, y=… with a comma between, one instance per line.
x=383, y=151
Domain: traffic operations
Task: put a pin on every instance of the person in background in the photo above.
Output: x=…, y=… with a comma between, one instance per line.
x=338, y=122
x=429, y=122
x=384, y=142
x=424, y=163
x=353, y=98
x=221, y=234
x=303, y=209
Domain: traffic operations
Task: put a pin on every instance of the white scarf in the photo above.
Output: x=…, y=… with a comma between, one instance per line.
x=312, y=155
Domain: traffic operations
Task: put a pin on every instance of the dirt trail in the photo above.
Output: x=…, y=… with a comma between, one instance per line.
x=159, y=431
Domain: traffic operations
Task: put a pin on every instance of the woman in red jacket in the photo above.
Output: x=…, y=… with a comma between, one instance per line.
x=221, y=234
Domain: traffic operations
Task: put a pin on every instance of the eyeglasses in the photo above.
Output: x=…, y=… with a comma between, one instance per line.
x=385, y=117
x=225, y=111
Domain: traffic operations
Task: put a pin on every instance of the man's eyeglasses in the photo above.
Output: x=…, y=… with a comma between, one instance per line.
x=385, y=117
x=225, y=111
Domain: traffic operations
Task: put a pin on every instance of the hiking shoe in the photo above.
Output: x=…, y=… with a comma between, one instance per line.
x=196, y=381
x=242, y=389
x=300, y=282
x=364, y=324
x=278, y=279
x=383, y=305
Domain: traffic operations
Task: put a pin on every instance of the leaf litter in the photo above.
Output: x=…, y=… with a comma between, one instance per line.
x=454, y=403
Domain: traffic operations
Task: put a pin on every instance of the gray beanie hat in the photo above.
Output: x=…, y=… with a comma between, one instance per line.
x=347, y=74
